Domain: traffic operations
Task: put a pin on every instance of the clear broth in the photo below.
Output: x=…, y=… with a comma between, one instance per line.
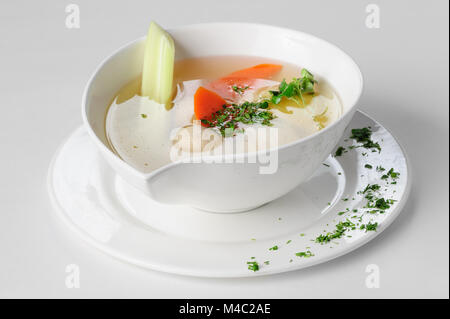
x=141, y=136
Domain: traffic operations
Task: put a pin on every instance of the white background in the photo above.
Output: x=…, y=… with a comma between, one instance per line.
x=44, y=67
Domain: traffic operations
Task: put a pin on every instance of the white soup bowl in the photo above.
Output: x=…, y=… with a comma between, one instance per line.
x=227, y=187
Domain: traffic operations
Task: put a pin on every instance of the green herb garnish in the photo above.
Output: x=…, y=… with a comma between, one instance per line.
x=391, y=174
x=371, y=187
x=227, y=120
x=295, y=89
x=239, y=90
x=382, y=204
x=253, y=265
x=340, y=230
x=363, y=135
x=340, y=150
x=370, y=226
x=305, y=254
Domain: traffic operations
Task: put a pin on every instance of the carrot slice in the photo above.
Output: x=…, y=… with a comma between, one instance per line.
x=242, y=79
x=260, y=71
x=206, y=103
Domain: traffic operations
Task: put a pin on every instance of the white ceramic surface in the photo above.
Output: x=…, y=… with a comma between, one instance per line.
x=196, y=184
x=122, y=221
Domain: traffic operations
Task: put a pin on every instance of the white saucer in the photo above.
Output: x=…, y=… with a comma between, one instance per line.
x=121, y=221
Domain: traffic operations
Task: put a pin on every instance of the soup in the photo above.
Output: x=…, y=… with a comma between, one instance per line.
x=217, y=96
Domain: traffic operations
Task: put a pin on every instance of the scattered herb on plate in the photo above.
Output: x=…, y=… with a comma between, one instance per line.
x=369, y=226
x=340, y=150
x=363, y=135
x=391, y=174
x=305, y=254
x=340, y=230
x=253, y=265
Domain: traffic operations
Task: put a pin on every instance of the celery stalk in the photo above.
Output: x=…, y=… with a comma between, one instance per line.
x=159, y=57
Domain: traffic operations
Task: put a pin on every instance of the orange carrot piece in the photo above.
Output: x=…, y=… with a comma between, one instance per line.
x=242, y=79
x=206, y=103
x=260, y=71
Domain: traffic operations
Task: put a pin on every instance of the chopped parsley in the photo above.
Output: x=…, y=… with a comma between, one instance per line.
x=239, y=90
x=368, y=166
x=305, y=254
x=227, y=120
x=382, y=204
x=253, y=265
x=369, y=226
x=373, y=201
x=340, y=230
x=391, y=174
x=363, y=135
x=340, y=150
x=274, y=248
x=371, y=187
x=144, y=116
